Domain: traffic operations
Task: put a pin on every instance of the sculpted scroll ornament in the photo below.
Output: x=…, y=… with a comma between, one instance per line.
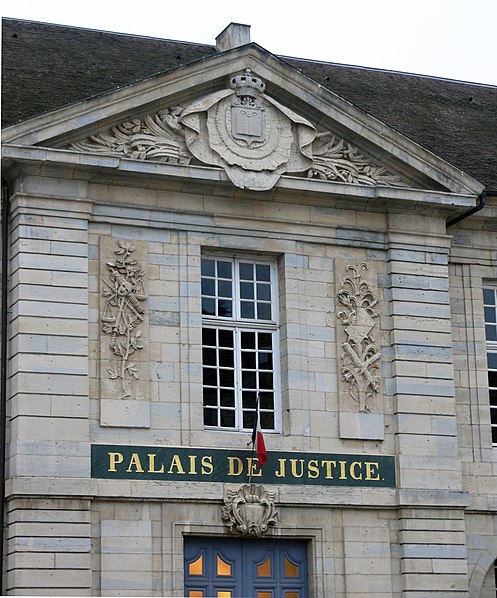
x=248, y=134
x=122, y=314
x=360, y=354
x=250, y=510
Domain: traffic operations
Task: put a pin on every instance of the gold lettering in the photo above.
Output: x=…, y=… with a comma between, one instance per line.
x=313, y=469
x=207, y=467
x=193, y=464
x=176, y=462
x=353, y=473
x=232, y=470
x=253, y=467
x=294, y=467
x=328, y=464
x=115, y=459
x=135, y=461
x=371, y=473
x=343, y=473
x=281, y=472
x=151, y=464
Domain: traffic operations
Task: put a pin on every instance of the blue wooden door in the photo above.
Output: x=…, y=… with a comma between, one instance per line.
x=236, y=568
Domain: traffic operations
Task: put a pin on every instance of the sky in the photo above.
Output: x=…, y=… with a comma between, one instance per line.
x=455, y=39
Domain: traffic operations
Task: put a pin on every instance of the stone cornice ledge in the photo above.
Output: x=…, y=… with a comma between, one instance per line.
x=453, y=203
x=413, y=498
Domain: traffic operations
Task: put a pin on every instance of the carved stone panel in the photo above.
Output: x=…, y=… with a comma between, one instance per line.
x=124, y=337
x=359, y=356
x=249, y=511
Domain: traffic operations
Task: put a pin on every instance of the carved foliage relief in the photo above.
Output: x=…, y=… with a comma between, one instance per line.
x=124, y=325
x=357, y=316
x=248, y=134
x=249, y=511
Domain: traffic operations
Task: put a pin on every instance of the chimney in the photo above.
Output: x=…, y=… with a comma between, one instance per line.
x=234, y=35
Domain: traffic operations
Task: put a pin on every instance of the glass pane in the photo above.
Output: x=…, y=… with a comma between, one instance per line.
x=491, y=332
x=264, y=311
x=226, y=358
x=210, y=377
x=209, y=356
x=210, y=396
x=291, y=570
x=227, y=419
x=246, y=271
x=265, y=341
x=264, y=569
x=225, y=308
x=248, y=399
x=224, y=288
x=227, y=378
x=210, y=417
x=248, y=340
x=264, y=292
x=197, y=567
x=196, y=594
x=247, y=309
x=209, y=337
x=263, y=272
x=209, y=307
x=490, y=314
x=223, y=568
x=207, y=267
x=224, y=594
x=248, y=379
x=265, y=380
x=492, y=379
x=227, y=398
x=292, y=595
x=489, y=296
x=494, y=435
x=246, y=290
x=266, y=400
x=225, y=338
x=208, y=287
x=267, y=420
x=224, y=269
x=248, y=360
x=265, y=361
x=264, y=595
x=248, y=419
x=492, y=361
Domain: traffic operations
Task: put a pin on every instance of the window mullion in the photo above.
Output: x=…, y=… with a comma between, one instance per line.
x=238, y=380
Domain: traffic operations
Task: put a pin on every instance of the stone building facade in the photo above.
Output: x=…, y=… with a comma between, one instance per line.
x=231, y=237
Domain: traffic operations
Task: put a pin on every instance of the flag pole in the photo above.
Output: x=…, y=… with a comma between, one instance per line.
x=253, y=439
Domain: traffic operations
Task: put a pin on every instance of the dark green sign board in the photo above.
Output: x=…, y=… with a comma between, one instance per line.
x=117, y=462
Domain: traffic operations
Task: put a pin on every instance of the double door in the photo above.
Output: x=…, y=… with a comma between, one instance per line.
x=238, y=567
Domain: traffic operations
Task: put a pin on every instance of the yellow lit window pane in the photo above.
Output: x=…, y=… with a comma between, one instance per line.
x=196, y=568
x=292, y=595
x=291, y=570
x=196, y=594
x=264, y=595
x=223, y=568
x=264, y=569
x=223, y=594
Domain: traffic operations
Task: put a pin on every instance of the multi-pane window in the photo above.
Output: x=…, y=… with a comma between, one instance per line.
x=239, y=342
x=490, y=306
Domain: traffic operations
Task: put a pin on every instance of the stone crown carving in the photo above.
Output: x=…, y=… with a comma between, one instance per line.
x=253, y=138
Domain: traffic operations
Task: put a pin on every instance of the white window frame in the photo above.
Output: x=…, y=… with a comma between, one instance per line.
x=491, y=350
x=238, y=325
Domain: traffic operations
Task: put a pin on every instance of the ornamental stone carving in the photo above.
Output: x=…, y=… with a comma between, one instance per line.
x=248, y=134
x=122, y=316
x=249, y=511
x=360, y=355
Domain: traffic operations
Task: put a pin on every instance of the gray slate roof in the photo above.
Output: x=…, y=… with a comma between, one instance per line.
x=47, y=66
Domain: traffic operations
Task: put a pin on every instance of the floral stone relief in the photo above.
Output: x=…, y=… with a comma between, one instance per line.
x=124, y=322
x=248, y=134
x=358, y=334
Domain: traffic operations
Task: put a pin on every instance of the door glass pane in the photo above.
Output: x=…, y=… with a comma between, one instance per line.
x=196, y=568
x=196, y=594
x=291, y=570
x=264, y=595
x=264, y=569
x=292, y=595
x=224, y=594
x=223, y=568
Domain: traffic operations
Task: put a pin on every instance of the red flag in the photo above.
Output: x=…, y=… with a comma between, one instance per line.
x=258, y=438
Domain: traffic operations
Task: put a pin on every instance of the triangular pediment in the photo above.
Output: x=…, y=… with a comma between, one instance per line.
x=250, y=115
